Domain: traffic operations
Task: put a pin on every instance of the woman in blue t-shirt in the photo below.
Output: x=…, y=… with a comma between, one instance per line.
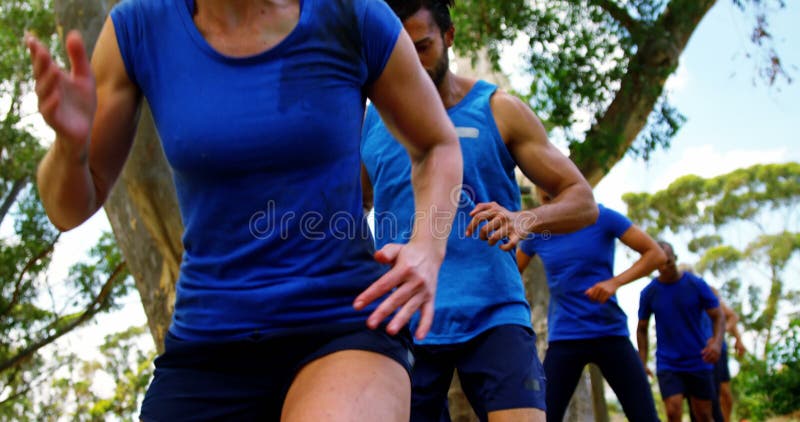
x=585, y=323
x=259, y=107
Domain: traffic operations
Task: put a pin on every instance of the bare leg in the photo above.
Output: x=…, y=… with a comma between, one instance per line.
x=350, y=385
x=674, y=405
x=517, y=415
x=701, y=409
x=726, y=400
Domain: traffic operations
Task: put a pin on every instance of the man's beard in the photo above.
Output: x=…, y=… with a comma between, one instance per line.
x=438, y=71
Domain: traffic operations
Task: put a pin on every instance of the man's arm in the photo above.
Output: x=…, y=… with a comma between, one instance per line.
x=713, y=347
x=523, y=260
x=642, y=341
x=731, y=320
x=573, y=206
x=651, y=256
x=412, y=110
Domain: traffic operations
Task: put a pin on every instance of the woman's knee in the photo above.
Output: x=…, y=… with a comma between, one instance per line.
x=349, y=385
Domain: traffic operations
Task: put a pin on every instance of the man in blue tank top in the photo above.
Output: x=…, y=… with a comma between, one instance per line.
x=482, y=326
x=687, y=347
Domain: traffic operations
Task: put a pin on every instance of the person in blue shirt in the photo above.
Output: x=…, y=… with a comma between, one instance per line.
x=687, y=347
x=585, y=322
x=483, y=324
x=259, y=106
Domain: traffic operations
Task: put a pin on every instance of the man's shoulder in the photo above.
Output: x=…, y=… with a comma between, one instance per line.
x=650, y=288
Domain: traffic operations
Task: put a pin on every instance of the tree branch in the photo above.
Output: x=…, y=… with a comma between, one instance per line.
x=656, y=58
x=91, y=310
x=18, y=285
x=16, y=394
x=16, y=188
x=620, y=15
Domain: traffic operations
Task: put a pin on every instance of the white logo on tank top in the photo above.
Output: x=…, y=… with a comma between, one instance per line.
x=468, y=132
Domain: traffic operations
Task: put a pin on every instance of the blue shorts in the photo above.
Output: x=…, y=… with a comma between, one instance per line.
x=499, y=369
x=247, y=380
x=721, y=371
x=697, y=384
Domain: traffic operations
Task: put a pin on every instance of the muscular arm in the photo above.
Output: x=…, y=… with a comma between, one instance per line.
x=573, y=206
x=523, y=260
x=650, y=257
x=428, y=136
x=78, y=171
x=413, y=111
x=642, y=341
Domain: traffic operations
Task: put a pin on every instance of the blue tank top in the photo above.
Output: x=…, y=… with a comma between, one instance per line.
x=479, y=285
x=265, y=156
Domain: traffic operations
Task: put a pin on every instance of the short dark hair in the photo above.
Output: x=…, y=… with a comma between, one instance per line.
x=439, y=8
x=663, y=243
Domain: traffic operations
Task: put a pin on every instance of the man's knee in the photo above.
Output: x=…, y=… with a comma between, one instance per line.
x=674, y=406
x=702, y=410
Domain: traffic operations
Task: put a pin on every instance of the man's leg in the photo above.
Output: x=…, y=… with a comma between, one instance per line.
x=430, y=381
x=501, y=375
x=563, y=366
x=726, y=400
x=701, y=389
x=702, y=410
x=349, y=385
x=722, y=378
x=673, y=390
x=624, y=372
x=674, y=406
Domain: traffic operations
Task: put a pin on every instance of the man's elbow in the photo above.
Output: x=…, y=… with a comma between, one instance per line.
x=589, y=209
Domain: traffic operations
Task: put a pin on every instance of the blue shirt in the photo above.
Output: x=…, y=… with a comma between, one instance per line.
x=574, y=262
x=681, y=333
x=479, y=285
x=265, y=155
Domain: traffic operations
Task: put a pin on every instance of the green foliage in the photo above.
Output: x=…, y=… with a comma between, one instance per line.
x=80, y=393
x=769, y=388
x=743, y=226
x=35, y=310
x=582, y=52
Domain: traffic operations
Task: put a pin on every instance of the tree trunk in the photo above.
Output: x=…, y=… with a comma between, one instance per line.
x=656, y=58
x=142, y=207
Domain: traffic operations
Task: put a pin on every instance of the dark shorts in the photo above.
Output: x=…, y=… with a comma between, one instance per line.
x=721, y=371
x=499, y=369
x=247, y=380
x=697, y=384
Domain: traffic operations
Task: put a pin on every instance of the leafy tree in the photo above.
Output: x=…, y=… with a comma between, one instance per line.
x=769, y=388
x=610, y=58
x=78, y=393
x=35, y=310
x=742, y=230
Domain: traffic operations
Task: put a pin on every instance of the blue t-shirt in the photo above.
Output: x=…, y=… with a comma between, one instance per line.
x=681, y=333
x=265, y=155
x=574, y=262
x=479, y=285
